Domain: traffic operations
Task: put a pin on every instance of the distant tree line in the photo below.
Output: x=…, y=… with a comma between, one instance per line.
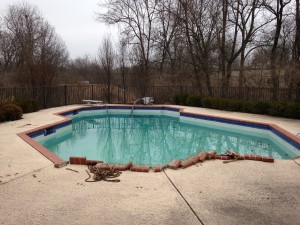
x=182, y=40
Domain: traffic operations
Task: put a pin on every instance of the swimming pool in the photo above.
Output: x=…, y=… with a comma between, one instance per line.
x=156, y=135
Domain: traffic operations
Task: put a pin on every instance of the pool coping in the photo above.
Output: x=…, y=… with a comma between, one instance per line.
x=58, y=162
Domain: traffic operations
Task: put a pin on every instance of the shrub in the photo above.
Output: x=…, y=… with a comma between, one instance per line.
x=181, y=99
x=194, y=100
x=27, y=105
x=278, y=109
x=10, y=112
x=233, y=105
x=293, y=110
x=206, y=102
x=281, y=109
x=2, y=114
x=260, y=107
x=216, y=103
x=247, y=106
x=176, y=100
x=222, y=104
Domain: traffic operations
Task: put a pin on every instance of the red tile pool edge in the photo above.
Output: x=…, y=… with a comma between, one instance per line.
x=41, y=149
x=58, y=161
x=45, y=152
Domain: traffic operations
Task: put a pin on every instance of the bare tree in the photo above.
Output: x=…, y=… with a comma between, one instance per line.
x=106, y=57
x=32, y=45
x=199, y=19
x=296, y=48
x=7, y=50
x=195, y=38
x=166, y=28
x=136, y=19
x=123, y=65
x=250, y=25
x=83, y=66
x=297, y=36
x=276, y=8
x=222, y=44
x=237, y=30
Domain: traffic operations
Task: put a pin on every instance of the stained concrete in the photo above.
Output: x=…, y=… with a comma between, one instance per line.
x=32, y=191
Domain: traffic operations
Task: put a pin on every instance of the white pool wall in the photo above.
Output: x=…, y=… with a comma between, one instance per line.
x=256, y=132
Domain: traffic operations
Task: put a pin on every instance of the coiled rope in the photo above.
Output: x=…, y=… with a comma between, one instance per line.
x=102, y=174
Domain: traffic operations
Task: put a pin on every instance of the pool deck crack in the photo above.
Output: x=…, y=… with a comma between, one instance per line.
x=6, y=182
x=188, y=204
x=296, y=162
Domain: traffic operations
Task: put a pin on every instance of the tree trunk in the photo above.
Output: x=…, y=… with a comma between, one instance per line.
x=208, y=84
x=227, y=78
x=223, y=53
x=297, y=38
x=207, y=76
x=275, y=78
x=241, y=75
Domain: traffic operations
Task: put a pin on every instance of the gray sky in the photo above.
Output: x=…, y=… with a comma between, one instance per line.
x=74, y=22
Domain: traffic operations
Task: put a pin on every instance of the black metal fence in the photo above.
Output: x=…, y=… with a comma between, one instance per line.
x=54, y=96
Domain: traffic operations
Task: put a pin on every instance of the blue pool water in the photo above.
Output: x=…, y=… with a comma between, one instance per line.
x=156, y=139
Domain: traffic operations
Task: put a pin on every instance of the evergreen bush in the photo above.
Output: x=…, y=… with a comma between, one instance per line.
x=10, y=112
x=207, y=102
x=293, y=110
x=2, y=114
x=277, y=109
x=261, y=107
x=233, y=105
x=194, y=100
x=281, y=109
x=181, y=99
x=27, y=105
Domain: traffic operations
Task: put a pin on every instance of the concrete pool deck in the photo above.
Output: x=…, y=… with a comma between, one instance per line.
x=32, y=191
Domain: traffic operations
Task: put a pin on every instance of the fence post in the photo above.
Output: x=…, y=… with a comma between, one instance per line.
x=32, y=92
x=15, y=93
x=152, y=91
x=44, y=93
x=118, y=94
x=298, y=94
x=65, y=90
x=248, y=90
x=124, y=95
x=92, y=92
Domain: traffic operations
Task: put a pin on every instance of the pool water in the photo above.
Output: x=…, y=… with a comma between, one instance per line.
x=153, y=139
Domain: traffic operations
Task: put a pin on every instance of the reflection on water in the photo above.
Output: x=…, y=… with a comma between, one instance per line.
x=149, y=140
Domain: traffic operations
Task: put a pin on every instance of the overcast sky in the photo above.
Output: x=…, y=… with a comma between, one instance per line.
x=74, y=22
